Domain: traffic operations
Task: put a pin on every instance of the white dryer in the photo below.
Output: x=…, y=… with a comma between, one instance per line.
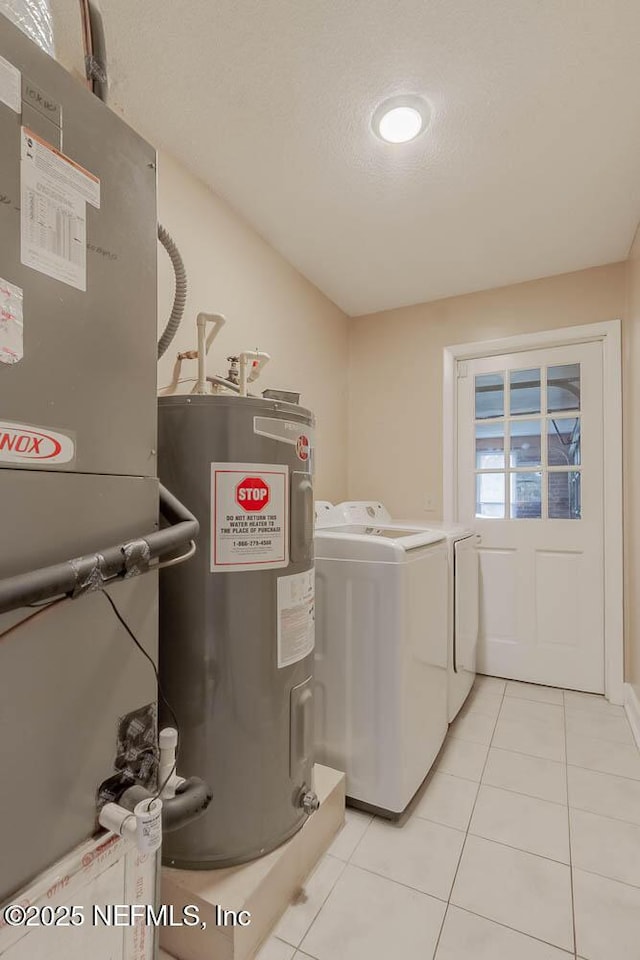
x=381, y=656
x=464, y=611
x=463, y=590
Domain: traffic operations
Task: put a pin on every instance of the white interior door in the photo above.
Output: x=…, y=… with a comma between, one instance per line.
x=530, y=480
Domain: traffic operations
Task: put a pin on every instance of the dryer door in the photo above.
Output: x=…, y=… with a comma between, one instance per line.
x=466, y=597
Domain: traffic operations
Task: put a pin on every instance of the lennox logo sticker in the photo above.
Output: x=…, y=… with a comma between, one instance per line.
x=23, y=444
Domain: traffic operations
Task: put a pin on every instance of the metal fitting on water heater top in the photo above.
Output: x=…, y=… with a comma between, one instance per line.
x=234, y=370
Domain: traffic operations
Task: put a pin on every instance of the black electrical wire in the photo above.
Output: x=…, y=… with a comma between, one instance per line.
x=43, y=608
x=160, y=691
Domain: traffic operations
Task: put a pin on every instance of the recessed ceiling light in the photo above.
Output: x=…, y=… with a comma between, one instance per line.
x=401, y=119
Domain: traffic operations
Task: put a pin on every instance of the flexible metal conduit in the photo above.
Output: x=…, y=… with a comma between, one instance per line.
x=180, y=295
x=80, y=575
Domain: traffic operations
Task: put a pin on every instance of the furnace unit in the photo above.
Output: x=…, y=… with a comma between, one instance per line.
x=77, y=445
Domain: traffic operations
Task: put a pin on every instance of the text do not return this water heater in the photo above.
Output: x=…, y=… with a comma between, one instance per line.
x=237, y=622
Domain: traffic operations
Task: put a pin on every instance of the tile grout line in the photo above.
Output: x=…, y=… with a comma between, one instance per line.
x=556, y=803
x=438, y=823
x=345, y=864
x=566, y=770
x=505, y=926
x=605, y=876
x=447, y=903
x=519, y=753
x=298, y=946
x=466, y=835
x=364, y=833
x=535, y=756
x=479, y=783
x=616, y=743
x=398, y=883
x=510, y=846
x=604, y=773
x=603, y=816
x=500, y=843
x=518, y=793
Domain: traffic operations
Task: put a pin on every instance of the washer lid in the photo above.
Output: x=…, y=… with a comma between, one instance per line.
x=390, y=533
x=360, y=542
x=452, y=531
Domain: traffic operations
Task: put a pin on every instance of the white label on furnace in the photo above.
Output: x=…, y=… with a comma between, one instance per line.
x=249, y=516
x=53, y=224
x=10, y=85
x=296, y=617
x=10, y=322
x=22, y=443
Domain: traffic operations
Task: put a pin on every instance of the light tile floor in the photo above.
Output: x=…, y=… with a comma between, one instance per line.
x=525, y=843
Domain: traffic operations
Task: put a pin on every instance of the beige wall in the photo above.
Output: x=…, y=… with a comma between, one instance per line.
x=395, y=417
x=393, y=359
x=395, y=438
x=268, y=305
x=631, y=414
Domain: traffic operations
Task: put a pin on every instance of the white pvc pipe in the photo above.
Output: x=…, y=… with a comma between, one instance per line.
x=142, y=826
x=118, y=820
x=250, y=357
x=202, y=372
x=204, y=344
x=168, y=743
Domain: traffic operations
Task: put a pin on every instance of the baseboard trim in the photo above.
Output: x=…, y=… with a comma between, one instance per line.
x=632, y=709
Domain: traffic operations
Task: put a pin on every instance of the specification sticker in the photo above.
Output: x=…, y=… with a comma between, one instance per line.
x=296, y=617
x=55, y=191
x=249, y=516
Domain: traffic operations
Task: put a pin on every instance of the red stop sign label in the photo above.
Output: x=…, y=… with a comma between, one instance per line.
x=252, y=493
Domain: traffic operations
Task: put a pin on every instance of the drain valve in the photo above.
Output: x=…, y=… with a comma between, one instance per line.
x=308, y=800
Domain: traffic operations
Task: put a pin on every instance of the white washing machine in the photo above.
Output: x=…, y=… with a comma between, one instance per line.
x=463, y=590
x=381, y=656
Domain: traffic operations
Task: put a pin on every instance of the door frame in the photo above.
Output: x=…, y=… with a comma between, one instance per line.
x=609, y=333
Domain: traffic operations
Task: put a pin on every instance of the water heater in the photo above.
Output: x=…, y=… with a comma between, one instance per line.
x=237, y=622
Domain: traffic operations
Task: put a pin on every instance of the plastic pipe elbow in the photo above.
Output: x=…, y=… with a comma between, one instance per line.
x=190, y=802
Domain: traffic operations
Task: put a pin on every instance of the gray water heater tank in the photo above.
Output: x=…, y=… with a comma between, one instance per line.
x=237, y=621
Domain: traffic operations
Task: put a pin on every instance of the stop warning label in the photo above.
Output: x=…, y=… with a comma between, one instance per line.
x=249, y=516
x=252, y=494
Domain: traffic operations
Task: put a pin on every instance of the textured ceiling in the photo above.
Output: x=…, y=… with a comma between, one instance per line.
x=531, y=165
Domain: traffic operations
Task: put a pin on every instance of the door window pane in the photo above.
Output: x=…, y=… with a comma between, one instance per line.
x=564, y=495
x=526, y=499
x=525, y=448
x=525, y=391
x=489, y=396
x=563, y=387
x=490, y=490
x=489, y=446
x=563, y=440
